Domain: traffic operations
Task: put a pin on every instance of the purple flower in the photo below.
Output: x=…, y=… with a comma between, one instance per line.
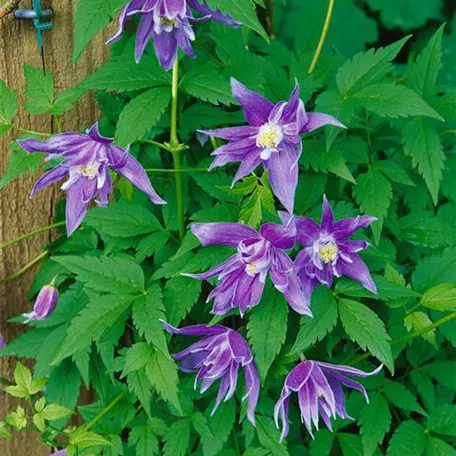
x=218, y=356
x=319, y=388
x=2, y=341
x=329, y=252
x=59, y=453
x=242, y=277
x=167, y=22
x=44, y=305
x=87, y=160
x=272, y=139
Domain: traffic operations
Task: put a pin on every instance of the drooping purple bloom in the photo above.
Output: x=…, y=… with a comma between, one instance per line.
x=319, y=388
x=2, y=341
x=328, y=252
x=168, y=23
x=59, y=453
x=242, y=277
x=218, y=356
x=271, y=139
x=87, y=159
x=44, y=305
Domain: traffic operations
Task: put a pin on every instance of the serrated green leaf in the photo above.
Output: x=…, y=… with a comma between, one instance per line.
x=418, y=321
x=8, y=104
x=441, y=297
x=350, y=444
x=365, y=328
x=443, y=420
x=400, y=396
x=139, y=384
x=409, y=439
x=322, y=444
x=144, y=439
x=39, y=90
x=437, y=447
x=444, y=372
x=83, y=439
x=269, y=436
x=221, y=424
x=177, y=438
x=55, y=411
x=136, y=357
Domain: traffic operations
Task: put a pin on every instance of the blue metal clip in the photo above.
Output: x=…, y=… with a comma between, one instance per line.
x=37, y=14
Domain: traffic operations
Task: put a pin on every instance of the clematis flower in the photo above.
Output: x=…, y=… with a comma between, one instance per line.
x=2, y=341
x=271, y=139
x=87, y=160
x=319, y=388
x=59, y=453
x=44, y=305
x=218, y=356
x=328, y=252
x=242, y=277
x=168, y=23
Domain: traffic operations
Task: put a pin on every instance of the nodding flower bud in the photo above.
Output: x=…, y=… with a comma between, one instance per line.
x=2, y=341
x=44, y=305
x=59, y=453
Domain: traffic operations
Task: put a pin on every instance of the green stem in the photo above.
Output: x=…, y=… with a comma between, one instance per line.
x=410, y=336
x=31, y=234
x=37, y=133
x=181, y=170
x=175, y=149
x=324, y=33
x=104, y=412
x=155, y=143
x=26, y=267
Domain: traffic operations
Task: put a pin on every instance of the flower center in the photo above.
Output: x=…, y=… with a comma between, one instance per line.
x=328, y=252
x=90, y=170
x=270, y=136
x=167, y=22
x=252, y=269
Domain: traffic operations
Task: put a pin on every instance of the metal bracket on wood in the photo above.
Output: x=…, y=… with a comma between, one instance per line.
x=37, y=14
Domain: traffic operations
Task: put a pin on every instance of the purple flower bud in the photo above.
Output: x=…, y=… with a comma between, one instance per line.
x=2, y=341
x=218, y=356
x=319, y=388
x=59, y=453
x=44, y=305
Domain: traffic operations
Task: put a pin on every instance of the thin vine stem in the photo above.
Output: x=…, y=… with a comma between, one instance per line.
x=181, y=170
x=323, y=36
x=409, y=336
x=36, y=133
x=31, y=234
x=26, y=267
x=104, y=412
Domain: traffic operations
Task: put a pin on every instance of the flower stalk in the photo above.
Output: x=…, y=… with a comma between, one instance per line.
x=31, y=234
x=28, y=266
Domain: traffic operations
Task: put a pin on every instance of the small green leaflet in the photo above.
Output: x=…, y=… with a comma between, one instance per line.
x=441, y=297
x=177, y=438
x=91, y=16
x=409, y=439
x=437, y=447
x=39, y=90
x=139, y=384
x=269, y=436
x=141, y=115
x=401, y=397
x=417, y=321
x=114, y=275
x=8, y=105
x=375, y=420
x=365, y=328
x=443, y=420
x=145, y=439
x=322, y=444
x=325, y=314
x=267, y=328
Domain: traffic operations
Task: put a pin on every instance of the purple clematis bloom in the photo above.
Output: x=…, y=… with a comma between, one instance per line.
x=2, y=341
x=242, y=277
x=44, y=305
x=272, y=139
x=319, y=388
x=168, y=23
x=329, y=252
x=87, y=160
x=218, y=356
x=59, y=453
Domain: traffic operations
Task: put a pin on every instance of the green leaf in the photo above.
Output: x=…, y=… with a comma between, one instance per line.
x=242, y=11
x=365, y=328
x=17, y=419
x=139, y=384
x=418, y=321
x=54, y=412
x=83, y=439
x=395, y=172
x=92, y=323
x=251, y=213
x=91, y=16
x=162, y=374
x=350, y=444
x=207, y=83
x=441, y=297
x=221, y=424
x=39, y=90
x=423, y=75
x=322, y=444
x=400, y=396
x=122, y=220
x=444, y=372
x=409, y=439
x=177, y=438
x=389, y=100
x=8, y=104
x=180, y=295
x=23, y=377
x=367, y=67
x=4, y=433
x=114, y=275
x=145, y=440
x=437, y=447
x=374, y=193
x=141, y=114
x=375, y=420
x=201, y=425
x=19, y=163
x=136, y=357
x=443, y=420
x=269, y=436
x=325, y=314
x=147, y=312
x=267, y=329
x=151, y=244
x=422, y=143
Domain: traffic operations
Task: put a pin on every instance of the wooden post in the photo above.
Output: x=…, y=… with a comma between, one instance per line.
x=19, y=214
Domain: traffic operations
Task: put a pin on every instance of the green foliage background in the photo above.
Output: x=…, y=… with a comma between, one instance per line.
x=121, y=272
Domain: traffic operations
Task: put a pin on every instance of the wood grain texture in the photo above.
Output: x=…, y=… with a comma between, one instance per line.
x=19, y=214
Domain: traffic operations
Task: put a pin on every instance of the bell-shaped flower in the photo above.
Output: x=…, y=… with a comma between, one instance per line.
x=2, y=341
x=44, y=305
x=87, y=159
x=242, y=277
x=319, y=388
x=271, y=139
x=219, y=355
x=328, y=252
x=168, y=23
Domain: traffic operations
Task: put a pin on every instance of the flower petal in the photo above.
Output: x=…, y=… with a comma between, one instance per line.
x=357, y=270
x=308, y=231
x=281, y=236
x=174, y=8
x=56, y=144
x=252, y=384
x=327, y=218
x=215, y=15
x=143, y=35
x=165, y=45
x=344, y=228
x=347, y=370
x=49, y=178
x=221, y=233
x=196, y=330
x=131, y=8
x=76, y=207
x=317, y=120
x=299, y=375
x=232, y=133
